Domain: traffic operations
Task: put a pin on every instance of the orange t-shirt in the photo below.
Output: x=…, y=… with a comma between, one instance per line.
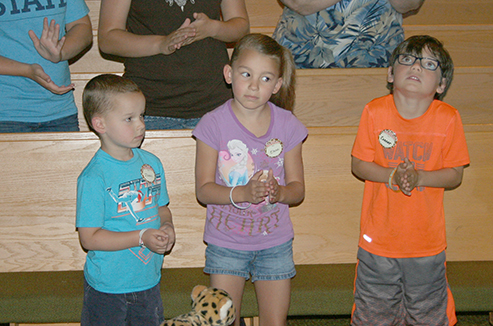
x=392, y=224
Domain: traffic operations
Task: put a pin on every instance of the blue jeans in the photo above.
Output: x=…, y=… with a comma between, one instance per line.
x=144, y=308
x=159, y=123
x=270, y=264
x=70, y=123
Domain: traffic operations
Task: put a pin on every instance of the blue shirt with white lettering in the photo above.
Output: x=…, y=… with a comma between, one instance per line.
x=22, y=99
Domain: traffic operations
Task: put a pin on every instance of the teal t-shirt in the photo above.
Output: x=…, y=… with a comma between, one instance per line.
x=122, y=196
x=22, y=99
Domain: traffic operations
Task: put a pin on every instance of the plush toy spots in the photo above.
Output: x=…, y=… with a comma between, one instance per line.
x=210, y=306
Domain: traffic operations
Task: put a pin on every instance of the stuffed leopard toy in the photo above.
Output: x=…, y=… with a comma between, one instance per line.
x=210, y=306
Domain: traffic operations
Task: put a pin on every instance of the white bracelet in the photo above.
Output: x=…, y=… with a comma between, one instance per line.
x=233, y=203
x=141, y=242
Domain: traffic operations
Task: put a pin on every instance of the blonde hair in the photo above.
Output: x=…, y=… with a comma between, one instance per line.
x=98, y=94
x=266, y=45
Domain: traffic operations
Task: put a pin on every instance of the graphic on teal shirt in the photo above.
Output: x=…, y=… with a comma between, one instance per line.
x=135, y=196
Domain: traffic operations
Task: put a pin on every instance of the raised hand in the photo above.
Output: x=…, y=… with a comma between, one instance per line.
x=49, y=46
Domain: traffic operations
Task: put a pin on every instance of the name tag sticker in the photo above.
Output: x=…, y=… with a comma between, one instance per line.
x=148, y=173
x=387, y=138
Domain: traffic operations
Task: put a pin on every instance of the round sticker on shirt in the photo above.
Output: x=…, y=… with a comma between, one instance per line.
x=273, y=148
x=387, y=138
x=148, y=173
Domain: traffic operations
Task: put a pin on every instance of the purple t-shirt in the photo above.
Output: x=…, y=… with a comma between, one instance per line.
x=240, y=155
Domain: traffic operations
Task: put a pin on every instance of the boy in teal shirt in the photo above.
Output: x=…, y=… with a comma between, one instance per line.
x=122, y=215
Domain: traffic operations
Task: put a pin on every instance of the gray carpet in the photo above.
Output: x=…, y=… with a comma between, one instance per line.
x=476, y=319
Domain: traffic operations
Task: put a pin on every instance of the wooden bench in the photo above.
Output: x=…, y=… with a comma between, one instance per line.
x=42, y=259
x=336, y=97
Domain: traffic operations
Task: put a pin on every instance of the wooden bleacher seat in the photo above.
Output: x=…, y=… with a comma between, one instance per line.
x=336, y=97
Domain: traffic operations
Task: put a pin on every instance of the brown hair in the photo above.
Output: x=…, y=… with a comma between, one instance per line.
x=266, y=45
x=98, y=93
x=415, y=45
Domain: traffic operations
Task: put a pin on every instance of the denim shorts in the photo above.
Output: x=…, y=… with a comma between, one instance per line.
x=271, y=264
x=160, y=123
x=70, y=123
x=144, y=308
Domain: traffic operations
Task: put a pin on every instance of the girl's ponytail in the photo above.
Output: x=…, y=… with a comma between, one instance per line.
x=286, y=95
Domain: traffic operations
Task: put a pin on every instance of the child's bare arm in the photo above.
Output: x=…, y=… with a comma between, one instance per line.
x=105, y=240
x=370, y=171
x=406, y=176
x=206, y=189
x=447, y=178
x=101, y=239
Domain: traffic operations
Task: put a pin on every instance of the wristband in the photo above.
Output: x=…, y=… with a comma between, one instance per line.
x=232, y=201
x=141, y=242
x=390, y=180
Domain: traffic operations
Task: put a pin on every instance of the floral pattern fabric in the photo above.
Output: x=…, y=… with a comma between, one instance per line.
x=349, y=34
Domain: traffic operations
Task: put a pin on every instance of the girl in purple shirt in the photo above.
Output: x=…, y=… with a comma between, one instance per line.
x=257, y=144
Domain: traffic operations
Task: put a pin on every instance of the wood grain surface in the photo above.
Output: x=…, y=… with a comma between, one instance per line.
x=39, y=173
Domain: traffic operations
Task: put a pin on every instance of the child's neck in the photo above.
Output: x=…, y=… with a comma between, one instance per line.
x=118, y=153
x=410, y=107
x=256, y=121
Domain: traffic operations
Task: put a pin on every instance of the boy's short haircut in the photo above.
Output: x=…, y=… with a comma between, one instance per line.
x=98, y=93
x=415, y=45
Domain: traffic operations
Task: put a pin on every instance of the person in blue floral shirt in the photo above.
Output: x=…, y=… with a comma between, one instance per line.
x=343, y=33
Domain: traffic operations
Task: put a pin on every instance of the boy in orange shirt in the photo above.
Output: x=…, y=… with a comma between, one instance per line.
x=409, y=148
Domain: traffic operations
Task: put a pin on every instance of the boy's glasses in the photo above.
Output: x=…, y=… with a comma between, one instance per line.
x=426, y=63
